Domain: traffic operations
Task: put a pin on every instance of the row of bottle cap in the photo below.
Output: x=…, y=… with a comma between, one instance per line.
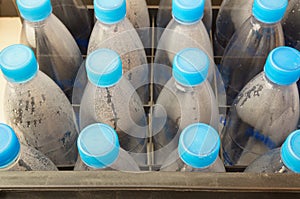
x=190, y=67
x=98, y=146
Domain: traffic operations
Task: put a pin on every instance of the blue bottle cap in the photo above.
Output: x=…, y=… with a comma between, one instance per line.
x=9, y=146
x=199, y=145
x=190, y=67
x=283, y=65
x=18, y=63
x=290, y=152
x=268, y=11
x=188, y=11
x=110, y=11
x=104, y=67
x=98, y=145
x=34, y=10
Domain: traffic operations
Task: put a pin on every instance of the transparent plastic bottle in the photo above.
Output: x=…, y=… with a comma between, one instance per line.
x=187, y=27
x=198, y=151
x=280, y=160
x=291, y=24
x=114, y=31
x=246, y=52
x=232, y=14
x=108, y=98
x=75, y=16
x=57, y=52
x=187, y=98
x=265, y=111
x=36, y=108
x=17, y=157
x=99, y=148
x=164, y=14
x=186, y=22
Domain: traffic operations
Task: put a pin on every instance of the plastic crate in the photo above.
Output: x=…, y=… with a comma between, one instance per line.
x=113, y=184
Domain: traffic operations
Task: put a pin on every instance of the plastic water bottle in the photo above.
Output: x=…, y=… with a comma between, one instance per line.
x=188, y=26
x=56, y=50
x=164, y=14
x=75, y=16
x=265, y=111
x=99, y=149
x=291, y=24
x=198, y=151
x=232, y=14
x=36, y=108
x=249, y=47
x=280, y=160
x=17, y=157
x=108, y=98
x=187, y=98
x=114, y=31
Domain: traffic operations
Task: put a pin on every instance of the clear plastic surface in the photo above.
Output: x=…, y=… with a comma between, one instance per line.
x=174, y=163
x=232, y=14
x=75, y=16
x=31, y=159
x=57, y=52
x=190, y=36
x=268, y=163
x=120, y=107
x=177, y=107
x=124, y=162
x=123, y=38
x=43, y=118
x=246, y=53
x=260, y=119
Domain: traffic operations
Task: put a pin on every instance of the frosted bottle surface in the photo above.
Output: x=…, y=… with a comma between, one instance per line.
x=268, y=163
x=265, y=111
x=164, y=14
x=105, y=156
x=57, y=52
x=187, y=98
x=246, y=52
x=114, y=31
x=16, y=157
x=75, y=16
x=280, y=160
x=36, y=108
x=232, y=14
x=199, y=145
x=137, y=13
x=112, y=100
x=291, y=24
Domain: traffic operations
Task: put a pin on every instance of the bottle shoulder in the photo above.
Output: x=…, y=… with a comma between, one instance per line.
x=270, y=162
x=174, y=163
x=31, y=159
x=48, y=35
x=121, y=37
x=253, y=31
x=124, y=162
